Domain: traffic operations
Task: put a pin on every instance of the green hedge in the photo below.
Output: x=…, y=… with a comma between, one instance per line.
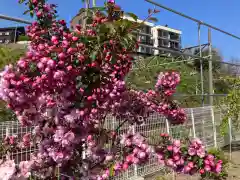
x=23, y=38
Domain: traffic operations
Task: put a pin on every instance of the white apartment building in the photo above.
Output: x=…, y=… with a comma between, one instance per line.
x=166, y=37
x=152, y=36
x=157, y=36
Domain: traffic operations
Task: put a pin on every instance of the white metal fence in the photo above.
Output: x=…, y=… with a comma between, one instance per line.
x=202, y=122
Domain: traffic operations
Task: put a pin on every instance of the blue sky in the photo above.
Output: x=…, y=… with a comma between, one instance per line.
x=220, y=13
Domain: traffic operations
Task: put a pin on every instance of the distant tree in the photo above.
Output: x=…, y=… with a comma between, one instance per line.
x=23, y=38
x=9, y=55
x=143, y=77
x=232, y=70
x=216, y=59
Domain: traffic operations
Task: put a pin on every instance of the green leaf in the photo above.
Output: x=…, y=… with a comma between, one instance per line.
x=76, y=62
x=195, y=158
x=94, y=55
x=31, y=13
x=89, y=14
x=153, y=19
x=200, y=162
x=111, y=27
x=84, y=39
x=112, y=170
x=27, y=11
x=103, y=29
x=98, y=8
x=21, y=1
x=132, y=15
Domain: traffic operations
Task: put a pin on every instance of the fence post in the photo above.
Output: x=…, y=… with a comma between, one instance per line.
x=58, y=173
x=203, y=130
x=230, y=137
x=214, y=127
x=114, y=123
x=193, y=123
x=135, y=165
x=167, y=126
x=7, y=131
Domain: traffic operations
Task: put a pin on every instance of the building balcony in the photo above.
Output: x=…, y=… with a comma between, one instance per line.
x=150, y=42
x=169, y=39
x=177, y=47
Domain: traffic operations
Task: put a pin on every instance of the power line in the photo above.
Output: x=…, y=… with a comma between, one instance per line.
x=15, y=19
x=193, y=19
x=186, y=54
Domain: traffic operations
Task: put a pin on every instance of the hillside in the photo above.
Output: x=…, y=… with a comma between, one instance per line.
x=144, y=75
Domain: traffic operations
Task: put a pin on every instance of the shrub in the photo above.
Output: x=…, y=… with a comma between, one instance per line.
x=23, y=38
x=68, y=83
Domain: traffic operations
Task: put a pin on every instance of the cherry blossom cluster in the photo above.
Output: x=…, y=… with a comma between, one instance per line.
x=10, y=170
x=140, y=149
x=137, y=150
x=137, y=106
x=13, y=142
x=187, y=157
x=167, y=82
x=212, y=165
x=175, y=154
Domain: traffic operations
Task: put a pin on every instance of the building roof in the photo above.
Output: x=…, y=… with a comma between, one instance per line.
x=138, y=20
x=168, y=29
x=13, y=28
x=82, y=10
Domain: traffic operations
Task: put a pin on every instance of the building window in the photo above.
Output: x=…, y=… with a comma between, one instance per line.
x=80, y=21
x=174, y=36
x=148, y=50
x=162, y=33
x=165, y=43
x=143, y=38
x=174, y=45
x=89, y=20
x=148, y=30
x=7, y=33
x=165, y=34
x=117, y=14
x=1, y=33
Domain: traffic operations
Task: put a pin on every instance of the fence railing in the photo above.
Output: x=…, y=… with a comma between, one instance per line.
x=202, y=122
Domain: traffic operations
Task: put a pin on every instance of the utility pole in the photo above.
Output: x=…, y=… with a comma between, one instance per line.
x=86, y=9
x=210, y=76
x=14, y=19
x=201, y=62
x=94, y=3
x=15, y=34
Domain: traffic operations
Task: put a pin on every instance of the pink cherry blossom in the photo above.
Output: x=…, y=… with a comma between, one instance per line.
x=191, y=151
x=207, y=168
x=25, y=168
x=218, y=168
x=7, y=169
x=177, y=143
